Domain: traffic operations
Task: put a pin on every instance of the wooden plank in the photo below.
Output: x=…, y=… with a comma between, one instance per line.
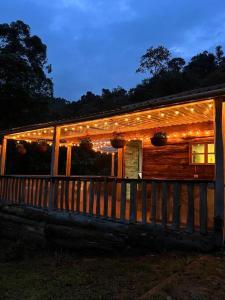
x=46, y=193
x=106, y=198
x=68, y=160
x=176, y=205
x=191, y=208
x=55, y=151
x=123, y=200
x=144, y=202
x=67, y=195
x=3, y=156
x=133, y=204
x=219, y=128
x=62, y=192
x=113, y=203
x=120, y=163
x=113, y=165
x=73, y=195
x=78, y=196
x=164, y=203
x=40, y=193
x=84, y=196
x=153, y=204
x=98, y=199
x=203, y=208
x=91, y=196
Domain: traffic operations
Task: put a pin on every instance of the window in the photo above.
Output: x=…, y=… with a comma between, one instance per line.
x=202, y=153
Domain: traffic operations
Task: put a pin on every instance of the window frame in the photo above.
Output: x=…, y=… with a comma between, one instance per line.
x=206, y=153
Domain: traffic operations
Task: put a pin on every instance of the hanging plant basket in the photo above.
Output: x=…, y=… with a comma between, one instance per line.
x=86, y=144
x=159, y=139
x=21, y=149
x=118, y=141
x=42, y=147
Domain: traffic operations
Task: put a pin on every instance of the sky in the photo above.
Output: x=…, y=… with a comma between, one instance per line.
x=95, y=44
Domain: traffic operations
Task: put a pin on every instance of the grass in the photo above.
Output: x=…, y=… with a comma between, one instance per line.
x=27, y=274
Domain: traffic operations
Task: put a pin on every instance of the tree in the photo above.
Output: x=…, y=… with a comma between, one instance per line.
x=154, y=61
x=23, y=79
x=176, y=64
x=219, y=55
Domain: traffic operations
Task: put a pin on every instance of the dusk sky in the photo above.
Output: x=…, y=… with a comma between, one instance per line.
x=95, y=44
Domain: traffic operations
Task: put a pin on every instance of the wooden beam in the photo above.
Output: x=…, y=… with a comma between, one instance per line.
x=55, y=151
x=68, y=160
x=219, y=171
x=113, y=164
x=120, y=162
x=3, y=155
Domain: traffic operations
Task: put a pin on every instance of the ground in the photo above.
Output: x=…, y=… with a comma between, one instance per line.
x=54, y=274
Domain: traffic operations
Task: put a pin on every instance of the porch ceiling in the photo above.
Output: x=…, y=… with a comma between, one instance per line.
x=201, y=111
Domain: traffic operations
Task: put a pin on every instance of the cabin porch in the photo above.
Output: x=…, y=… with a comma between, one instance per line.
x=179, y=186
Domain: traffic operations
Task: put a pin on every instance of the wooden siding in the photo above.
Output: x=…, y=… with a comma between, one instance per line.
x=172, y=161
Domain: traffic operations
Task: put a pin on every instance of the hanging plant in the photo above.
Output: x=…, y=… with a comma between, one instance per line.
x=86, y=144
x=42, y=146
x=159, y=139
x=21, y=149
x=118, y=141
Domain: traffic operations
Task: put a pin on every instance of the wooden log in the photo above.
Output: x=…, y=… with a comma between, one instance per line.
x=144, y=202
x=98, y=198
x=164, y=203
x=153, y=204
x=176, y=205
x=78, y=196
x=191, y=208
x=133, y=204
x=91, y=196
x=84, y=196
x=203, y=208
x=113, y=203
x=106, y=198
x=123, y=200
x=3, y=156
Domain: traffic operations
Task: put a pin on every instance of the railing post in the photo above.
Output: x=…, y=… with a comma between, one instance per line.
x=3, y=156
x=219, y=172
x=68, y=160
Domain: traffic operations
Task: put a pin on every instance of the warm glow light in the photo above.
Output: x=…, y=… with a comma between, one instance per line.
x=177, y=112
x=73, y=128
x=95, y=125
x=87, y=126
x=105, y=123
x=80, y=127
x=116, y=124
x=210, y=105
x=138, y=119
x=45, y=131
x=162, y=114
x=65, y=129
x=197, y=132
x=126, y=120
x=149, y=116
x=34, y=133
x=28, y=134
x=192, y=109
x=184, y=134
x=39, y=133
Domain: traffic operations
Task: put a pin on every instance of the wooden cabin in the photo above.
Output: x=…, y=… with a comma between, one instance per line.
x=177, y=185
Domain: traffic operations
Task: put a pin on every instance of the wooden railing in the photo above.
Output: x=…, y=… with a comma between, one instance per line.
x=175, y=204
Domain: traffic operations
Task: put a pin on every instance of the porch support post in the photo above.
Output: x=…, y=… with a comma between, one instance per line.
x=219, y=171
x=113, y=165
x=55, y=151
x=3, y=155
x=120, y=162
x=68, y=160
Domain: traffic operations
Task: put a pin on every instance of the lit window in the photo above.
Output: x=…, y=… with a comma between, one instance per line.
x=202, y=153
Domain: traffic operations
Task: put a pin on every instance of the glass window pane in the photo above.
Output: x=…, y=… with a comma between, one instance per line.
x=211, y=158
x=198, y=148
x=198, y=158
x=211, y=148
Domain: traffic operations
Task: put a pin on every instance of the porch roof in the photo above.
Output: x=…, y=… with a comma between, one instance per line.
x=193, y=111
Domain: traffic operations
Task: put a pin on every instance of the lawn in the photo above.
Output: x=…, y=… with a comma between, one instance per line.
x=28, y=274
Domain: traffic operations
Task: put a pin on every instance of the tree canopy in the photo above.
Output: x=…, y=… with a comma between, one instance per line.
x=26, y=91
